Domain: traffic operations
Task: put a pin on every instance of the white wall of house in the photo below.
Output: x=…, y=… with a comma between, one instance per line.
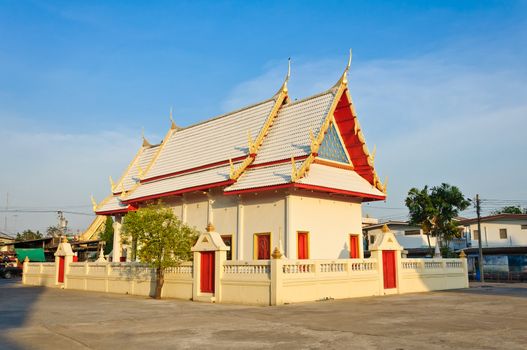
x=403, y=236
x=515, y=234
x=329, y=221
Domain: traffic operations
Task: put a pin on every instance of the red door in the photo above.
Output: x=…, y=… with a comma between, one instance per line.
x=388, y=268
x=264, y=247
x=61, y=269
x=354, y=246
x=302, y=245
x=207, y=272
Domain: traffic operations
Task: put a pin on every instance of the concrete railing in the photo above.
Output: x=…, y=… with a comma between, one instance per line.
x=261, y=282
x=418, y=275
x=246, y=282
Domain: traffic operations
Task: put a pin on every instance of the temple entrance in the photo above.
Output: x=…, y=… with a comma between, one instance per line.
x=354, y=246
x=303, y=245
x=388, y=269
x=207, y=272
x=61, y=269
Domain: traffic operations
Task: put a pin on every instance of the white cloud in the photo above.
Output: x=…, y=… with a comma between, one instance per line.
x=53, y=170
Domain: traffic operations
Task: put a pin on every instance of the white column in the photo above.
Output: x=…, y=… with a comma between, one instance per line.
x=239, y=232
x=210, y=215
x=116, y=256
x=183, y=210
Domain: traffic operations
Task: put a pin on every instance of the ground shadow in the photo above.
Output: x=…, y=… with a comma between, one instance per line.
x=16, y=303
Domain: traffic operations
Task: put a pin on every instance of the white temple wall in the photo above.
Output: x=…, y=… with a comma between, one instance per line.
x=264, y=213
x=330, y=221
x=225, y=214
x=196, y=212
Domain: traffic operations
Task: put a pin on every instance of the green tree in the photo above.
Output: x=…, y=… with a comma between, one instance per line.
x=162, y=240
x=53, y=231
x=511, y=209
x=435, y=210
x=107, y=235
x=28, y=235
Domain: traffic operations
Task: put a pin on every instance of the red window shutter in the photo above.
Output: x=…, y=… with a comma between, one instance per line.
x=264, y=247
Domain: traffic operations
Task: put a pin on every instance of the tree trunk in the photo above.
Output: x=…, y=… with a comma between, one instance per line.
x=160, y=280
x=429, y=244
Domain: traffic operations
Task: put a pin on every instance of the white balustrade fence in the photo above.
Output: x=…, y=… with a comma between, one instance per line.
x=260, y=282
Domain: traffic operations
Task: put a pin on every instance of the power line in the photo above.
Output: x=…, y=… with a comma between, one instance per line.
x=44, y=211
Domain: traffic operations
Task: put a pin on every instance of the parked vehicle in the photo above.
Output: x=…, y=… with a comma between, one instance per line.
x=10, y=272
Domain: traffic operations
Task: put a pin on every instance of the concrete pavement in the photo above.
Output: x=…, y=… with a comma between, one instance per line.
x=485, y=317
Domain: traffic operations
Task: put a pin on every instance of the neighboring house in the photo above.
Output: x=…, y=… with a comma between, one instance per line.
x=410, y=237
x=277, y=174
x=504, y=243
x=6, y=242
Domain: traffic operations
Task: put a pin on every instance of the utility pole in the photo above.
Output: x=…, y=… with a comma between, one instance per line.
x=480, y=246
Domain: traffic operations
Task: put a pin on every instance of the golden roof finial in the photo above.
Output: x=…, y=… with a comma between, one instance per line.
x=93, y=203
x=145, y=141
x=283, y=88
x=385, y=184
x=294, y=171
x=173, y=125
x=385, y=228
x=112, y=184
x=345, y=74
x=344, y=78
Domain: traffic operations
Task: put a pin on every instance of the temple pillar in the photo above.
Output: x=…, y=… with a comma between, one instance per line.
x=117, y=246
x=239, y=232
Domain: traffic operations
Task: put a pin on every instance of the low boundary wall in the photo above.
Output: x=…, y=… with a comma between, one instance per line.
x=262, y=282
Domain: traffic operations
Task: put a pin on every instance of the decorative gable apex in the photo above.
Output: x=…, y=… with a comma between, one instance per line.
x=332, y=147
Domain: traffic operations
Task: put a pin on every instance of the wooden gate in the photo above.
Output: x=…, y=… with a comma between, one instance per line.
x=61, y=269
x=303, y=245
x=388, y=269
x=207, y=272
x=354, y=246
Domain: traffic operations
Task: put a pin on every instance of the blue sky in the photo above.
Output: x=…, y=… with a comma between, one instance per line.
x=440, y=87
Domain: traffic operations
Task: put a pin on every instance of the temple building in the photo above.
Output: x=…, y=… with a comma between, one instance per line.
x=278, y=173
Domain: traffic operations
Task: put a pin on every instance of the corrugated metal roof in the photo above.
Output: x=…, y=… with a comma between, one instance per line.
x=181, y=182
x=289, y=135
x=264, y=176
x=216, y=140
x=112, y=203
x=131, y=176
x=318, y=175
x=337, y=178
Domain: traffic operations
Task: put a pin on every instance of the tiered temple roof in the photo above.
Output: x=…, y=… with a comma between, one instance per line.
x=315, y=143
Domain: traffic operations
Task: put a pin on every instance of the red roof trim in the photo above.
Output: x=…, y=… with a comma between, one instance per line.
x=118, y=211
x=201, y=167
x=181, y=191
x=308, y=187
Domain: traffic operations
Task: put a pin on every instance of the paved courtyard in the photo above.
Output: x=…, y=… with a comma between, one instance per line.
x=484, y=317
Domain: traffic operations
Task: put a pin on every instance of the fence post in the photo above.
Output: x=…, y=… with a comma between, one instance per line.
x=25, y=267
x=276, y=277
